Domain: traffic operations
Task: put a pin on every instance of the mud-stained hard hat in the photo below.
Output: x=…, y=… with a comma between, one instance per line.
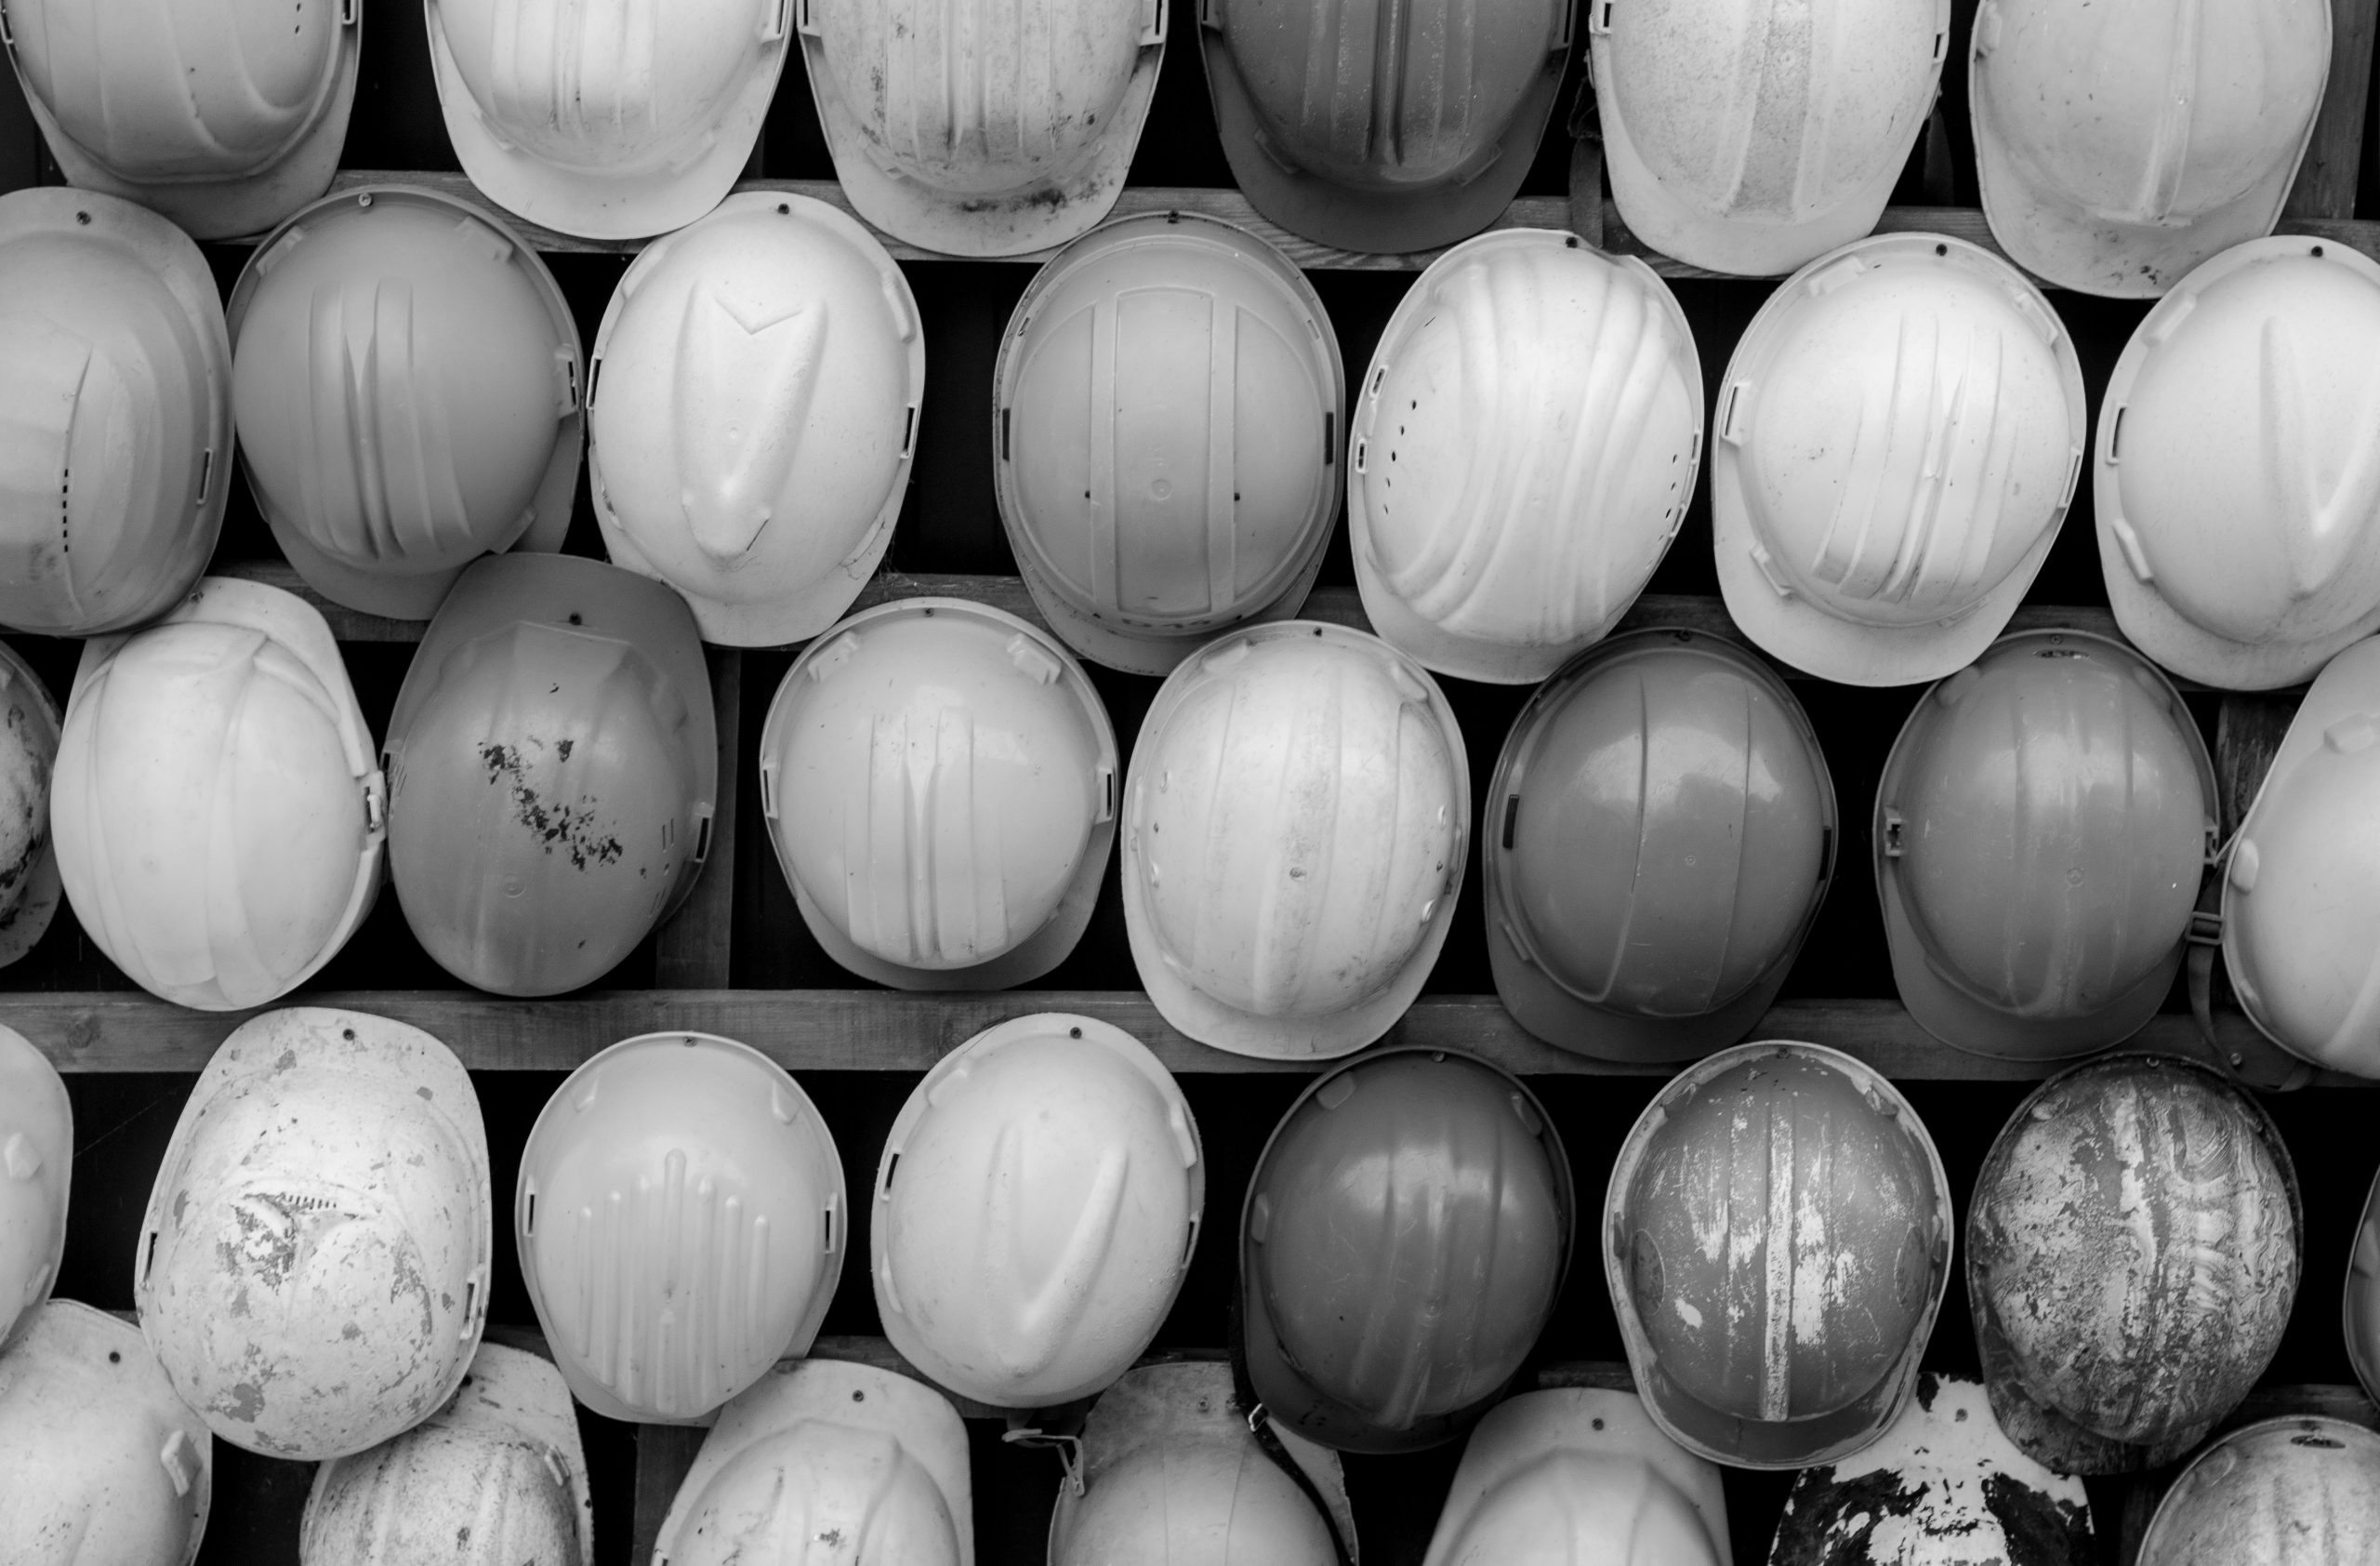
x=105, y=1465
x=2134, y=1249
x=116, y=431
x=680, y=1221
x=957, y=133
x=828, y=1461
x=30, y=723
x=1776, y=1237
x=315, y=1264
x=2295, y=1491
x=497, y=1477
x=224, y=118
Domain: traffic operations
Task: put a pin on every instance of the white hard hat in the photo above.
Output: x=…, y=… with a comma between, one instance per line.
x=956, y=132
x=741, y=450
x=406, y=376
x=29, y=731
x=217, y=814
x=939, y=781
x=1509, y=523
x=2235, y=485
x=868, y=1463
x=1167, y=418
x=36, y=1169
x=2302, y=1491
x=1750, y=135
x=1296, y=819
x=680, y=1221
x=224, y=118
x=2119, y=144
x=1896, y=439
x=105, y=1465
x=115, y=413
x=1585, y=1476
x=1036, y=1209
x=497, y=1477
x=315, y=1264
x=612, y=123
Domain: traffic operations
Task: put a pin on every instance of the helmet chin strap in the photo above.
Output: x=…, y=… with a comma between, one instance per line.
x=1260, y=1424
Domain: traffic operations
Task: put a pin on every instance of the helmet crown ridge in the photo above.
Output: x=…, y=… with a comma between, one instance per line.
x=748, y=377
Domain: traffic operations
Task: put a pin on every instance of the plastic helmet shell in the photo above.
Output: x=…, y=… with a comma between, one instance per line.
x=681, y=1222
x=106, y=1466
x=224, y=120
x=1422, y=125
x=2120, y=145
x=1170, y=1473
x=2240, y=533
x=37, y=1170
x=1943, y=1487
x=315, y=1263
x=1751, y=136
x=1511, y=522
x=1296, y=818
x=972, y=138
x=497, y=1477
x=30, y=722
x=1581, y=1477
x=1898, y=437
x=2301, y=923
x=939, y=781
x=553, y=758
x=1451, y=1171
x=758, y=378
x=2132, y=1251
x=406, y=374
x=831, y=1463
x=215, y=811
x=1036, y=1209
x=609, y=121
x=1665, y=830
x=2361, y=1315
x=2042, y=829
x=1744, y=1355
x=115, y=413
x=1168, y=410
x=2297, y=1491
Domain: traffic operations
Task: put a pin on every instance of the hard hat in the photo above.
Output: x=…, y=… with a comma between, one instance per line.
x=956, y=132
x=497, y=1477
x=1544, y=485
x=2120, y=145
x=313, y=1265
x=405, y=372
x=615, y=121
x=217, y=816
x=1753, y=135
x=1170, y=405
x=828, y=1461
x=1171, y=1471
x=1372, y=125
x=1664, y=831
x=552, y=762
x=939, y=780
x=1406, y=1231
x=1777, y=1237
x=680, y=1221
x=1583, y=1477
x=36, y=1167
x=2042, y=829
x=2362, y=1312
x=105, y=1465
x=747, y=456
x=2133, y=1253
x=2237, y=504
x=1036, y=1208
x=115, y=413
x=1290, y=897
x=2295, y=1491
x=223, y=118
x=29, y=888
x=1898, y=437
